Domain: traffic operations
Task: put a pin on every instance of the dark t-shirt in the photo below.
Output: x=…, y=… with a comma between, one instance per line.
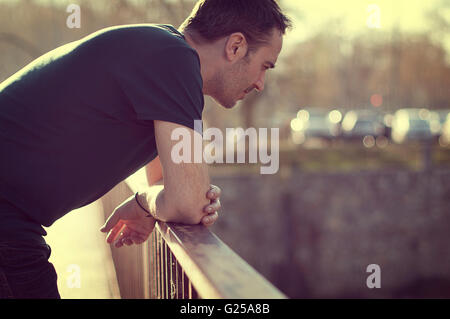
x=79, y=120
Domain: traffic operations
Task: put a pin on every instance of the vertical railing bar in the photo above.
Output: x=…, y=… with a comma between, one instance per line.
x=154, y=282
x=152, y=256
x=176, y=279
x=180, y=282
x=154, y=264
x=166, y=271
x=150, y=264
x=183, y=280
x=170, y=276
x=173, y=284
x=155, y=267
x=162, y=269
x=145, y=253
x=190, y=289
x=155, y=272
x=159, y=267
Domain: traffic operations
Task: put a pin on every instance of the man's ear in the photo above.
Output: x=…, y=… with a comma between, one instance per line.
x=236, y=47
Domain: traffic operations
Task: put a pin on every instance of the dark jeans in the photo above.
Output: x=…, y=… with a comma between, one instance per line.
x=25, y=271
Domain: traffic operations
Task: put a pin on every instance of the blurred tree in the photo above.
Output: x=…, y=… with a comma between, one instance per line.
x=20, y=43
x=329, y=69
x=439, y=18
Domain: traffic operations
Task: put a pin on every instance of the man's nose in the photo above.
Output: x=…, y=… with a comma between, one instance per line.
x=260, y=84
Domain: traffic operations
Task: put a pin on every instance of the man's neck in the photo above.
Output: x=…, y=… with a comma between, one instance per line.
x=209, y=59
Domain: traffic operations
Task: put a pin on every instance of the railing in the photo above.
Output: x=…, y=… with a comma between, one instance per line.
x=167, y=279
x=191, y=262
x=183, y=262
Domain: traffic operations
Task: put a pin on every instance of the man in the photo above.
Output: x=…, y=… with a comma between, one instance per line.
x=83, y=117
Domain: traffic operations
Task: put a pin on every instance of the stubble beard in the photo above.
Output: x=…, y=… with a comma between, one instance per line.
x=226, y=84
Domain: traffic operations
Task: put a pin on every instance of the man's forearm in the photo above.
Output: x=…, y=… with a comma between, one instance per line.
x=154, y=201
x=149, y=199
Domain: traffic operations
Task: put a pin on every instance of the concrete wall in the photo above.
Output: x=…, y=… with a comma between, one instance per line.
x=313, y=235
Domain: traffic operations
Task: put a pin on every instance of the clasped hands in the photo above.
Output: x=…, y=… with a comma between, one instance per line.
x=128, y=223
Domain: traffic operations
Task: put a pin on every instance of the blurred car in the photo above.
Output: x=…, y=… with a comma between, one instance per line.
x=441, y=115
x=414, y=124
x=360, y=124
x=438, y=119
x=314, y=123
x=387, y=121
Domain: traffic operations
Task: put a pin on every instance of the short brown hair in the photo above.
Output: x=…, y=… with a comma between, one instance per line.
x=214, y=19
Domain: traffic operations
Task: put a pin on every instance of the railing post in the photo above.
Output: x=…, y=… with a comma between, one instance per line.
x=152, y=261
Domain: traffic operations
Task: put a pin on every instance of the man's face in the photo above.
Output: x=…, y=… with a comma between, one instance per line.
x=235, y=81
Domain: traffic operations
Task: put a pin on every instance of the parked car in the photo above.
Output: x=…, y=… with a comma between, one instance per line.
x=438, y=119
x=442, y=115
x=313, y=123
x=412, y=124
x=359, y=124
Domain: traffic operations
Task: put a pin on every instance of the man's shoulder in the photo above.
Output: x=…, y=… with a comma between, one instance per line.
x=144, y=35
x=139, y=42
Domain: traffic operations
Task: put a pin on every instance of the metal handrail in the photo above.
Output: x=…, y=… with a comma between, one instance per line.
x=183, y=262
x=211, y=268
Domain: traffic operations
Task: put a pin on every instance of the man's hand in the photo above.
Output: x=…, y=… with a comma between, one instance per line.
x=130, y=224
x=214, y=196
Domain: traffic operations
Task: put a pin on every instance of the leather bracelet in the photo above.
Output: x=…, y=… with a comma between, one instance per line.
x=148, y=213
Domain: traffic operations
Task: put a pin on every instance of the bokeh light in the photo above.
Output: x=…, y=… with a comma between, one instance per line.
x=296, y=124
x=376, y=100
x=369, y=141
x=335, y=116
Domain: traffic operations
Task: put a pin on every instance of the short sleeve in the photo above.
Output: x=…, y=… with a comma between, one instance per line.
x=166, y=85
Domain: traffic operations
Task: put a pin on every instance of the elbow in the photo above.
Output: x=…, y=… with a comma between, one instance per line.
x=187, y=201
x=190, y=211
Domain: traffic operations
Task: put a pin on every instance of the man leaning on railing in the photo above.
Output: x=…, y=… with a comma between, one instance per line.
x=80, y=119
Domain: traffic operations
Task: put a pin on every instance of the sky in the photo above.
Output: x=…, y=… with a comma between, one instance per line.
x=408, y=14
x=357, y=15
